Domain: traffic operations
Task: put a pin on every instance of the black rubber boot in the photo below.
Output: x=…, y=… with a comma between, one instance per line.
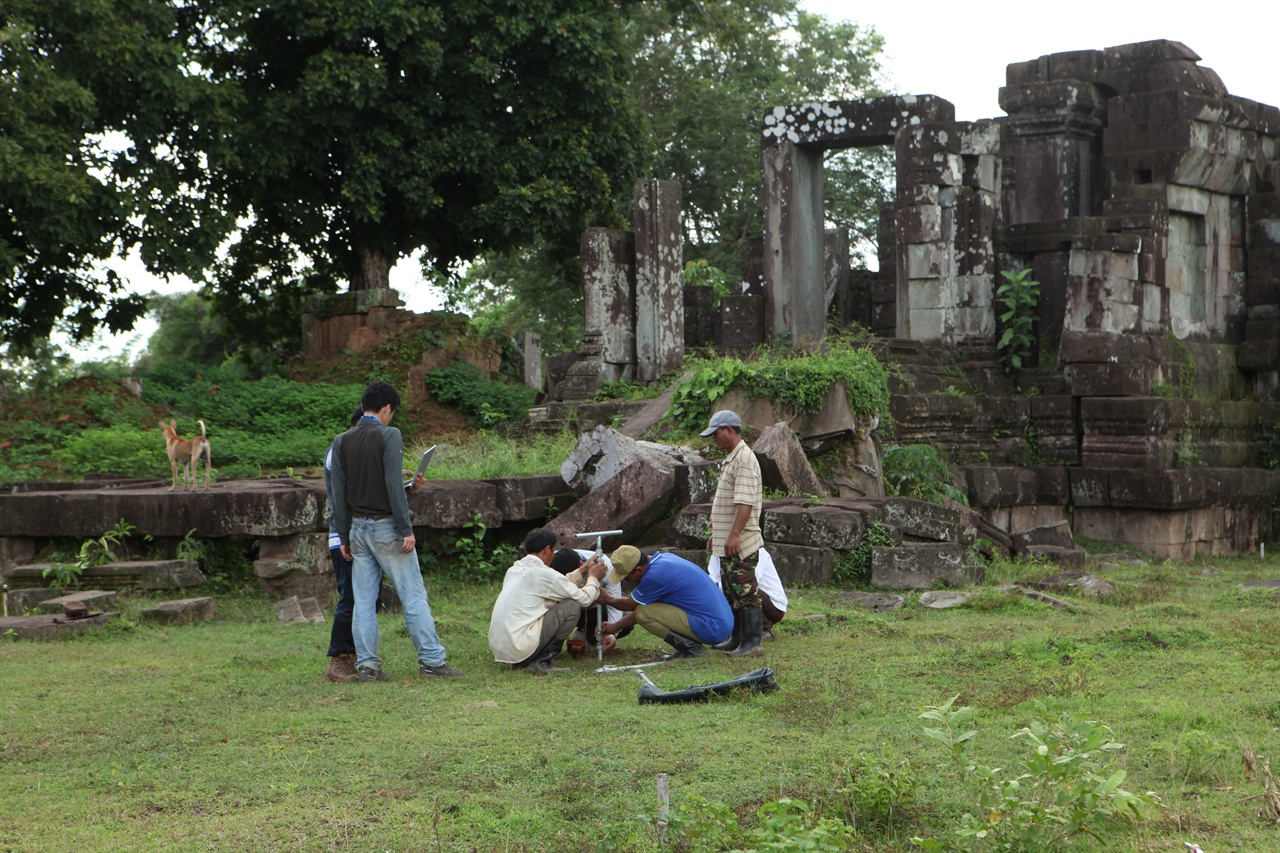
x=734, y=638
x=684, y=647
x=752, y=628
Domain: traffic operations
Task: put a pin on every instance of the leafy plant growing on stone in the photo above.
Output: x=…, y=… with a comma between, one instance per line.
x=1066, y=798
x=1019, y=296
x=918, y=471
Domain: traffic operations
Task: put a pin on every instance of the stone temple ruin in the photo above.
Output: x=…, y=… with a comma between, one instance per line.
x=1139, y=193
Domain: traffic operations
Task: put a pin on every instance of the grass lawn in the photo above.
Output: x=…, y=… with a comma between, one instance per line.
x=224, y=736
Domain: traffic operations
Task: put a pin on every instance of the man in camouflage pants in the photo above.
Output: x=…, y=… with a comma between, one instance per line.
x=735, y=532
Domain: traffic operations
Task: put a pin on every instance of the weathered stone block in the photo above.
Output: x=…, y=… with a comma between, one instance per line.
x=49, y=626
x=632, y=501
x=294, y=609
x=93, y=599
x=1057, y=535
x=184, y=611
x=295, y=565
x=926, y=520
x=693, y=525
x=783, y=462
x=132, y=574
x=921, y=566
x=1067, y=557
x=820, y=526
x=800, y=565
x=526, y=498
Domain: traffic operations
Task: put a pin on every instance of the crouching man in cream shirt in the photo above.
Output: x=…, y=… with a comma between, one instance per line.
x=538, y=607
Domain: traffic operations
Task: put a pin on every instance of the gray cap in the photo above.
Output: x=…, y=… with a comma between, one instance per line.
x=722, y=419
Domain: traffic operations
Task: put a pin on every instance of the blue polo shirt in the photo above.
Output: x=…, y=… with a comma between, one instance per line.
x=674, y=580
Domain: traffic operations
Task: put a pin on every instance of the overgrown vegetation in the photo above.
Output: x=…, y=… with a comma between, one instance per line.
x=485, y=401
x=918, y=471
x=788, y=377
x=1018, y=296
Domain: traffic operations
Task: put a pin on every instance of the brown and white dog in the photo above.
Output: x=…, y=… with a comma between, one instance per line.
x=186, y=451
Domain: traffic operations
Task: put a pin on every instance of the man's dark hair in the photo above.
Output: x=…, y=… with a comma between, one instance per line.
x=566, y=560
x=356, y=416
x=378, y=395
x=538, y=538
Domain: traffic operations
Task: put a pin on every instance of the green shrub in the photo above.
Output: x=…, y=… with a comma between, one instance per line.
x=1067, y=798
x=486, y=402
x=853, y=568
x=788, y=377
x=124, y=450
x=917, y=471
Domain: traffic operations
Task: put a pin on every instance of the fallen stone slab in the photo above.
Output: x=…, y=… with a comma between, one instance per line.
x=937, y=599
x=603, y=453
x=92, y=599
x=1267, y=584
x=20, y=601
x=878, y=601
x=632, y=501
x=131, y=574
x=783, y=463
x=1072, y=558
x=183, y=611
x=294, y=609
x=231, y=508
x=1077, y=580
x=922, y=566
x=51, y=626
x=1056, y=603
x=652, y=412
x=1058, y=535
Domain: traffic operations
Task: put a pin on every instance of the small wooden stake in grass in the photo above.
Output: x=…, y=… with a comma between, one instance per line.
x=664, y=806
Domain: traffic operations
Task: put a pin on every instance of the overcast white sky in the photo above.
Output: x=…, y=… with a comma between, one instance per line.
x=958, y=50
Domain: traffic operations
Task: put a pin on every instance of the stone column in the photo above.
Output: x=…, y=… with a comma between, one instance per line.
x=609, y=299
x=1056, y=127
x=659, y=271
x=794, y=278
x=530, y=344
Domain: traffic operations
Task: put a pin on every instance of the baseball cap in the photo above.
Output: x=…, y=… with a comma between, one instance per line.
x=724, y=418
x=624, y=560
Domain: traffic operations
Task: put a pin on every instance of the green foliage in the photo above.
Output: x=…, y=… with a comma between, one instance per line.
x=1194, y=756
x=1067, y=798
x=486, y=402
x=93, y=552
x=788, y=377
x=702, y=274
x=128, y=451
x=917, y=471
x=463, y=555
x=879, y=796
x=853, y=568
x=625, y=389
x=1018, y=295
x=63, y=575
x=699, y=825
x=187, y=331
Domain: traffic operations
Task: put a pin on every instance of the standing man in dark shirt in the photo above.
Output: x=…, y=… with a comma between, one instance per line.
x=376, y=531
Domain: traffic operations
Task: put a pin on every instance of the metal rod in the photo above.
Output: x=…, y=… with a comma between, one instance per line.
x=599, y=536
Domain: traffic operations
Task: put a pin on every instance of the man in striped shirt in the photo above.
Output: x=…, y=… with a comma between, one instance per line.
x=735, y=530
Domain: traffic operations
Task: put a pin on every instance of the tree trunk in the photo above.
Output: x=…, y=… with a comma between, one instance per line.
x=373, y=270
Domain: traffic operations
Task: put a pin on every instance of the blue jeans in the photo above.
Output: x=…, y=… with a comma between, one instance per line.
x=375, y=547
x=340, y=641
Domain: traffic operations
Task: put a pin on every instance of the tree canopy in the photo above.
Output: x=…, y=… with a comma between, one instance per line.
x=272, y=151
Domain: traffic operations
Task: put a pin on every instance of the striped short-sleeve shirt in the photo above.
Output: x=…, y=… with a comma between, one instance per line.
x=739, y=484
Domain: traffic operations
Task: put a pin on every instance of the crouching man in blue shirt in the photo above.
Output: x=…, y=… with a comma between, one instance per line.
x=673, y=599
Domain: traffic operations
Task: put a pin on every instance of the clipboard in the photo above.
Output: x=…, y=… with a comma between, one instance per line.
x=422, y=466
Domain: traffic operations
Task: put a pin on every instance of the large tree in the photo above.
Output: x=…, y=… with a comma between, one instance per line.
x=364, y=132
x=285, y=148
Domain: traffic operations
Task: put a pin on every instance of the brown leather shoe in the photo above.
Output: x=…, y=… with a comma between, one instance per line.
x=342, y=668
